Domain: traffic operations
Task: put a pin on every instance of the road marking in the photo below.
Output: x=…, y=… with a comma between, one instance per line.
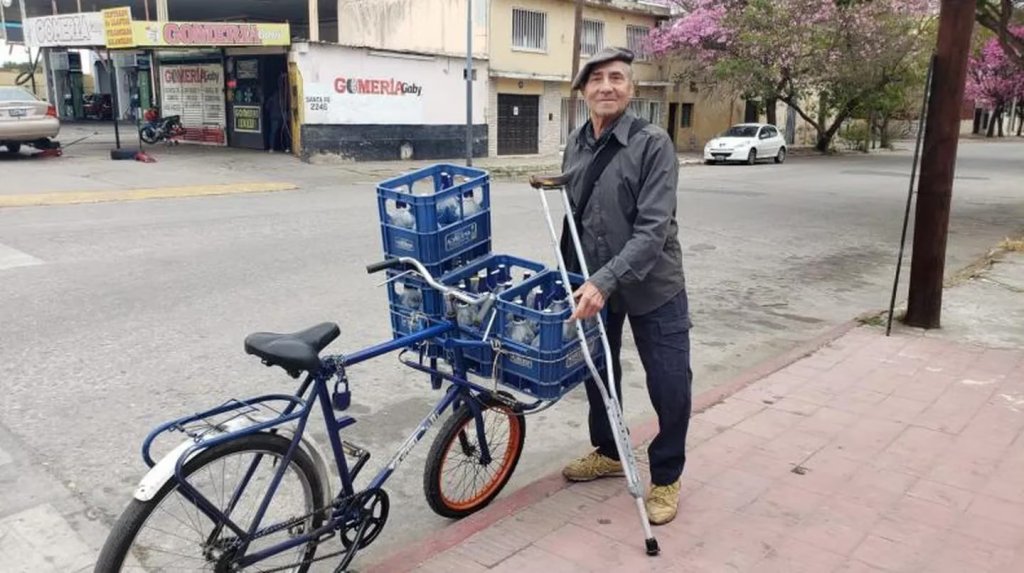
x=71, y=198
x=12, y=258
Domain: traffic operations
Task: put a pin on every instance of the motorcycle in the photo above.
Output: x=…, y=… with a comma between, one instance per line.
x=158, y=128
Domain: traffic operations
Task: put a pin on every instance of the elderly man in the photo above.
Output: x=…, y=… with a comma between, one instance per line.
x=623, y=173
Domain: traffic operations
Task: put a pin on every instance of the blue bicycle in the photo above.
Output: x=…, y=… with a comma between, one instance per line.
x=248, y=489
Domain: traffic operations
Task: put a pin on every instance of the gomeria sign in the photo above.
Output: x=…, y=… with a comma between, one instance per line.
x=376, y=87
x=211, y=34
x=84, y=29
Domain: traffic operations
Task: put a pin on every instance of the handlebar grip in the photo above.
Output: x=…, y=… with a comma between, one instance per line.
x=385, y=264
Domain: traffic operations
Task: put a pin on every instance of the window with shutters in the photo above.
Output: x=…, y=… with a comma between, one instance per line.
x=636, y=41
x=591, y=37
x=529, y=30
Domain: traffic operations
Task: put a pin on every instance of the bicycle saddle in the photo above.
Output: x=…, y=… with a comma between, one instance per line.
x=295, y=351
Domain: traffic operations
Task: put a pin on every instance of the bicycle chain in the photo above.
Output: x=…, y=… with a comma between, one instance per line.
x=336, y=504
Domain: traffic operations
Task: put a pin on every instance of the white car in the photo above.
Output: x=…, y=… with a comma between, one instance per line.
x=747, y=142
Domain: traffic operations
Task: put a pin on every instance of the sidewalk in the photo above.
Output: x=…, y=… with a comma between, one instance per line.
x=873, y=453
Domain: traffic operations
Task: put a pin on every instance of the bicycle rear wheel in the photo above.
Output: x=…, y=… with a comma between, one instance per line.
x=169, y=532
x=455, y=480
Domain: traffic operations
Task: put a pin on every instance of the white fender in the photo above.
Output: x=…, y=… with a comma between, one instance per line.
x=163, y=471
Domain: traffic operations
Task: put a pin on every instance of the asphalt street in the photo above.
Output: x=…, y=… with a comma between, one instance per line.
x=115, y=317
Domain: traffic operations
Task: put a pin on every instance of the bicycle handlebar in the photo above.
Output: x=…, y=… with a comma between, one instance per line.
x=429, y=278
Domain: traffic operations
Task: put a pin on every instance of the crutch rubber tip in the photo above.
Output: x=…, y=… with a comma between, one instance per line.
x=652, y=547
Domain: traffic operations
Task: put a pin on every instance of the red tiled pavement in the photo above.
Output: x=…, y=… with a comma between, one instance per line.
x=873, y=454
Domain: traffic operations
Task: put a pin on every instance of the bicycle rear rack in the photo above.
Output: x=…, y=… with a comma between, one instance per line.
x=230, y=420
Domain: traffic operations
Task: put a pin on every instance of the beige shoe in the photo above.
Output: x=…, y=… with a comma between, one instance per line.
x=591, y=467
x=662, y=503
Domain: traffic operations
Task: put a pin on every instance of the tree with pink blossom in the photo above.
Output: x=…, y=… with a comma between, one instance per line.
x=995, y=80
x=823, y=58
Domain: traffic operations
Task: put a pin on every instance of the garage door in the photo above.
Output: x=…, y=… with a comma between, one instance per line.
x=518, y=118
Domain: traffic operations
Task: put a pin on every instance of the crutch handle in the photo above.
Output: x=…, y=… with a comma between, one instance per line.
x=549, y=181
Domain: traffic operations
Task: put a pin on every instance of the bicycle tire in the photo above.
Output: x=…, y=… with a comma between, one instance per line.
x=128, y=526
x=433, y=471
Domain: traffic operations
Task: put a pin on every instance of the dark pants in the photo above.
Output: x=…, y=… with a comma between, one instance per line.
x=663, y=341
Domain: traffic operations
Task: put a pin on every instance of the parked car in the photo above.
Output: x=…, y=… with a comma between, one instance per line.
x=747, y=142
x=24, y=118
x=98, y=106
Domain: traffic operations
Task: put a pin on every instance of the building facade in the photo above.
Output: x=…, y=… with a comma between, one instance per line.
x=531, y=45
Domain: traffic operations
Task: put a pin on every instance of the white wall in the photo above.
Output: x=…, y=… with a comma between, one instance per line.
x=391, y=88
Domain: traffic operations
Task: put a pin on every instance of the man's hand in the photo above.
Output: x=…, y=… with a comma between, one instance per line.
x=589, y=302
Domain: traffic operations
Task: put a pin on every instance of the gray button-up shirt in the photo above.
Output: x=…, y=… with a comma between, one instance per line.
x=630, y=236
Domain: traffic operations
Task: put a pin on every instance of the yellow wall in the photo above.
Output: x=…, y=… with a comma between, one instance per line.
x=511, y=86
x=7, y=78
x=426, y=26
x=712, y=114
x=557, y=60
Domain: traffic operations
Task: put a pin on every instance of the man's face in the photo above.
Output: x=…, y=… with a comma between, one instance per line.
x=609, y=89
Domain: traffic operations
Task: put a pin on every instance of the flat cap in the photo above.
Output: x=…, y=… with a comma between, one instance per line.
x=609, y=54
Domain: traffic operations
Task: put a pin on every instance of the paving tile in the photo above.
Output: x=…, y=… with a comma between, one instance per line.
x=824, y=473
x=876, y=489
x=590, y=551
x=794, y=556
x=857, y=566
x=867, y=437
x=952, y=411
x=826, y=422
x=727, y=447
x=899, y=409
x=449, y=562
x=898, y=546
x=733, y=547
x=935, y=492
x=739, y=481
x=995, y=532
x=970, y=554
x=769, y=423
x=701, y=430
x=494, y=544
x=730, y=412
x=996, y=421
x=914, y=451
x=998, y=510
x=837, y=526
x=785, y=503
x=927, y=512
x=924, y=387
x=795, y=406
x=534, y=558
x=794, y=445
x=857, y=400
x=763, y=464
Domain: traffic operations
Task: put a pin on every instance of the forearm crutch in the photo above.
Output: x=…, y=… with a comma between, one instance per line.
x=608, y=394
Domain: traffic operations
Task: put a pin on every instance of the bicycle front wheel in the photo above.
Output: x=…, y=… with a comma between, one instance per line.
x=456, y=481
x=169, y=532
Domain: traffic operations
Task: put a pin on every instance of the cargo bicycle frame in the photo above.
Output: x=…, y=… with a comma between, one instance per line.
x=351, y=511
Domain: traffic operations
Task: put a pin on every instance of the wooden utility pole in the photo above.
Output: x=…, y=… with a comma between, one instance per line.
x=577, y=29
x=938, y=163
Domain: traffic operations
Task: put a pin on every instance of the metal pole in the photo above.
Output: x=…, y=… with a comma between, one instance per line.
x=469, y=83
x=910, y=191
x=577, y=26
x=938, y=164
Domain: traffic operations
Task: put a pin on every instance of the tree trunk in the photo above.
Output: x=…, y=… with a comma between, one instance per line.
x=769, y=110
x=999, y=122
x=1020, y=126
x=884, y=134
x=992, y=123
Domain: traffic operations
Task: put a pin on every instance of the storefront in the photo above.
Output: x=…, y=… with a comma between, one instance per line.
x=362, y=104
x=226, y=80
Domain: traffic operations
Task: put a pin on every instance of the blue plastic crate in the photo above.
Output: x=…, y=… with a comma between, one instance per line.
x=408, y=293
x=545, y=361
x=479, y=359
x=405, y=323
x=435, y=213
x=547, y=376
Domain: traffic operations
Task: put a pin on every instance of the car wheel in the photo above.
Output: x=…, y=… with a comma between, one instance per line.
x=781, y=156
x=710, y=162
x=752, y=157
x=13, y=147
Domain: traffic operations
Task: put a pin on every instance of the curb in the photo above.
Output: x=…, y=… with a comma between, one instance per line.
x=444, y=539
